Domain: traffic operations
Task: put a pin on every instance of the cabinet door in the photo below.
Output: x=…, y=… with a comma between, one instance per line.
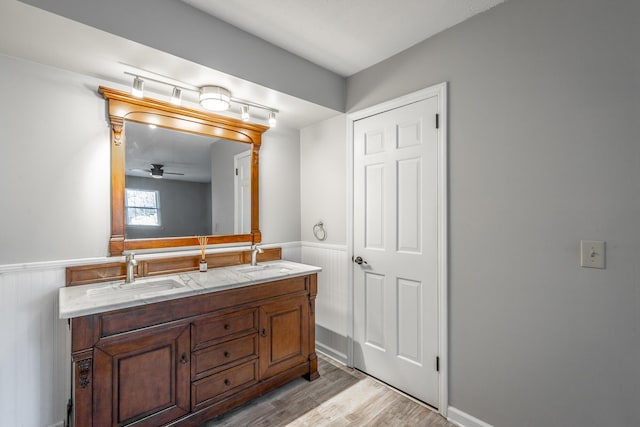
x=284, y=335
x=142, y=377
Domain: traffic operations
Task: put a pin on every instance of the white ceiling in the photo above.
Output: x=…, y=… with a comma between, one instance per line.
x=344, y=36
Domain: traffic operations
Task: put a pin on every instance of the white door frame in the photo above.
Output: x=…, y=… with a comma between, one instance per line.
x=439, y=90
x=236, y=184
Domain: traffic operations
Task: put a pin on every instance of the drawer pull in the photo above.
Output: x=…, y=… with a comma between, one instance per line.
x=227, y=383
x=183, y=358
x=227, y=327
x=227, y=354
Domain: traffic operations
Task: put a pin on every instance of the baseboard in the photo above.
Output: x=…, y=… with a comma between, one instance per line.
x=463, y=419
x=329, y=352
x=58, y=424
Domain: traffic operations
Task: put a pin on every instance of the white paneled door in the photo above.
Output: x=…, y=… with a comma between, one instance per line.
x=395, y=232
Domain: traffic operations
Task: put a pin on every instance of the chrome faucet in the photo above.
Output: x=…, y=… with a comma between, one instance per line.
x=255, y=250
x=131, y=263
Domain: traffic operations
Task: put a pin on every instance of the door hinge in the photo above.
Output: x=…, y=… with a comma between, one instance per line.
x=437, y=121
x=236, y=171
x=437, y=363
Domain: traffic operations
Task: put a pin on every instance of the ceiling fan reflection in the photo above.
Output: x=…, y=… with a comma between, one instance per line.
x=157, y=171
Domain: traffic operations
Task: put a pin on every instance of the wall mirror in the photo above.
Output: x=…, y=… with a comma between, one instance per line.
x=177, y=173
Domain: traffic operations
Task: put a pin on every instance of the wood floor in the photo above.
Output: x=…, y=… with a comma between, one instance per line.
x=340, y=397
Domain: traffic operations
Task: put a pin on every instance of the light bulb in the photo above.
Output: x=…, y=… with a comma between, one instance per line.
x=272, y=119
x=176, y=96
x=137, y=89
x=245, y=113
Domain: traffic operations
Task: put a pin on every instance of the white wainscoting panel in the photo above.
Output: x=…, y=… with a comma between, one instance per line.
x=332, y=301
x=34, y=364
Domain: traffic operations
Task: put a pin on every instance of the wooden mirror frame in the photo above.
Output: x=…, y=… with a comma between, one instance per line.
x=123, y=106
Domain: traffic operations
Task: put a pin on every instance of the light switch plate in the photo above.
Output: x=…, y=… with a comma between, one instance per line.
x=592, y=253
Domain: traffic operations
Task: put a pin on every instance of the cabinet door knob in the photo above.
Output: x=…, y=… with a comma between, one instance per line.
x=227, y=382
x=227, y=354
x=264, y=332
x=227, y=327
x=183, y=358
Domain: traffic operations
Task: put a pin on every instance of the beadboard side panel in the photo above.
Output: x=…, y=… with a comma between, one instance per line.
x=34, y=364
x=332, y=308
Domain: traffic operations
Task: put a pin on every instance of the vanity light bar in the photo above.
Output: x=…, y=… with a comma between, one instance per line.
x=212, y=98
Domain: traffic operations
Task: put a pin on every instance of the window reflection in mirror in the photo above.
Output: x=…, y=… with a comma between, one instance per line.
x=202, y=184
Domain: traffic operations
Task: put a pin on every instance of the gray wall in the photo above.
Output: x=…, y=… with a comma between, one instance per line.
x=222, y=184
x=185, y=208
x=543, y=152
x=55, y=168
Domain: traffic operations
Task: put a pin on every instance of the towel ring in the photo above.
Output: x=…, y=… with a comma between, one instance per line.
x=319, y=231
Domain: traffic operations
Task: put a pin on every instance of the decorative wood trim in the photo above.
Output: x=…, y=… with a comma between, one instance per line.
x=123, y=107
x=83, y=365
x=117, y=126
x=106, y=272
x=84, y=372
x=255, y=191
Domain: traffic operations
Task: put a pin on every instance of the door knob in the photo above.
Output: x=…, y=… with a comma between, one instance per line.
x=358, y=260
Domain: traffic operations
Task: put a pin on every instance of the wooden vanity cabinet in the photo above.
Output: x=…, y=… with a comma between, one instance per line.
x=142, y=377
x=284, y=332
x=185, y=361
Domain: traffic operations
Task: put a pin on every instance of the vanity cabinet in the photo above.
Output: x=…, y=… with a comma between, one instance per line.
x=142, y=375
x=182, y=362
x=285, y=341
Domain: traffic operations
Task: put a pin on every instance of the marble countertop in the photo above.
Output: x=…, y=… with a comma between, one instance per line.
x=75, y=301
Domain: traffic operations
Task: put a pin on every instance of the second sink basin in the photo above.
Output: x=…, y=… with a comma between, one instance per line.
x=143, y=287
x=282, y=268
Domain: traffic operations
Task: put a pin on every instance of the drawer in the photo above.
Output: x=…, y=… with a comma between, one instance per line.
x=222, y=384
x=213, y=329
x=227, y=352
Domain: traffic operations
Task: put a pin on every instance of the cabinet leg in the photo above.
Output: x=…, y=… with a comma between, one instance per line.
x=313, y=368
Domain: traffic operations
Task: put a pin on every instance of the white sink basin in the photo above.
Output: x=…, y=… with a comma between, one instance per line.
x=145, y=287
x=276, y=267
